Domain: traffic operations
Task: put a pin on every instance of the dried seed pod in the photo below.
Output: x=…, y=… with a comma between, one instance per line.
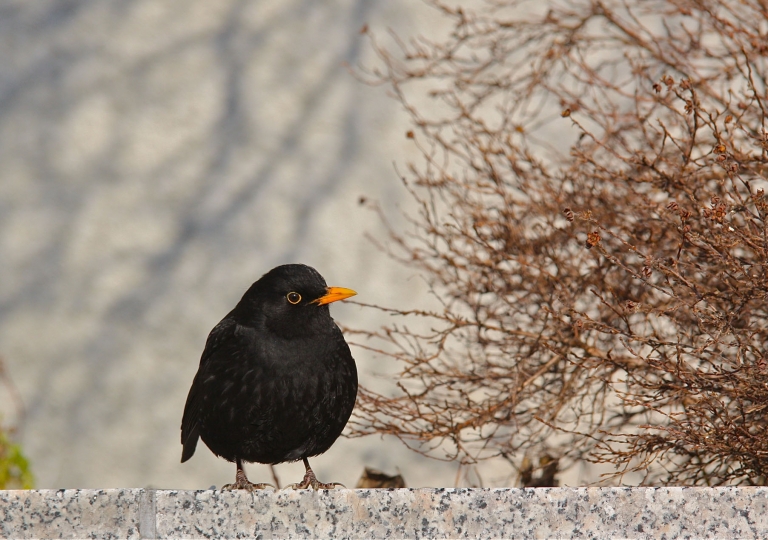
x=593, y=239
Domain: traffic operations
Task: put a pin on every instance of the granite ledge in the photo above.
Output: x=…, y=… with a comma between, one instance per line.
x=397, y=513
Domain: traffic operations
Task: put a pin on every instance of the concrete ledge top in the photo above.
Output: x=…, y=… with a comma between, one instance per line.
x=378, y=513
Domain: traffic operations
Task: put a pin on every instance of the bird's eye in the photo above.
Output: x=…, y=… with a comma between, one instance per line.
x=293, y=297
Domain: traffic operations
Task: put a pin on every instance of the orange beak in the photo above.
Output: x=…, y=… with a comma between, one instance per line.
x=334, y=294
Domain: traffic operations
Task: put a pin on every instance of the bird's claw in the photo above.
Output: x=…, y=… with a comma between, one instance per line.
x=316, y=485
x=242, y=482
x=310, y=481
x=247, y=486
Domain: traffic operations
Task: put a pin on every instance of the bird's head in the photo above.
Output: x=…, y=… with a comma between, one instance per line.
x=291, y=299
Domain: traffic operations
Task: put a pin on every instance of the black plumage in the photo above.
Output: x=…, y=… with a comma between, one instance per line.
x=276, y=381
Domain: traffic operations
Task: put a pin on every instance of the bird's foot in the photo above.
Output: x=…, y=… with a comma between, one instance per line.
x=242, y=482
x=246, y=485
x=310, y=481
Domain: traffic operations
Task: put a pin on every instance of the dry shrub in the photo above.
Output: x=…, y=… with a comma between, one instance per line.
x=593, y=222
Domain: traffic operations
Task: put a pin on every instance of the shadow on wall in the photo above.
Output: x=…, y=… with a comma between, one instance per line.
x=154, y=158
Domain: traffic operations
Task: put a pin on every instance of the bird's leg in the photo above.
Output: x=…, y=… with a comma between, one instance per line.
x=241, y=481
x=310, y=480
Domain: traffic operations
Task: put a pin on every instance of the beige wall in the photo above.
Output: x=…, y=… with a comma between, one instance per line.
x=157, y=157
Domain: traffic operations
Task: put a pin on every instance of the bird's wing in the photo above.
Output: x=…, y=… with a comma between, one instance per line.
x=189, y=422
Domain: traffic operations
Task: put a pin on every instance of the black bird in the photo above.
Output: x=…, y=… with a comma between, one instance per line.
x=276, y=381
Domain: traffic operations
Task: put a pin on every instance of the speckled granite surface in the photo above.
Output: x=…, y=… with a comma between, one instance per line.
x=402, y=513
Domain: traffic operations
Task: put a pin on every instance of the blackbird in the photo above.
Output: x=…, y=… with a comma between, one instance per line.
x=276, y=381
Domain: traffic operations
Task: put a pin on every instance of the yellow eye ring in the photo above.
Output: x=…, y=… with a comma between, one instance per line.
x=293, y=297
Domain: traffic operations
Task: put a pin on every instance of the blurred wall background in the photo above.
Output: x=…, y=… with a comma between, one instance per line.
x=157, y=157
